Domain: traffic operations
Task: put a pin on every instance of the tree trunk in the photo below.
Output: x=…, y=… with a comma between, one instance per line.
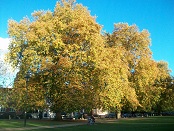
x=159, y=109
x=58, y=116
x=118, y=114
x=92, y=112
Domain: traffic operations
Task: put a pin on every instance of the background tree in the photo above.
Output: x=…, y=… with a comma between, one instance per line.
x=114, y=80
x=6, y=80
x=165, y=83
x=3, y=70
x=144, y=78
x=27, y=95
x=141, y=70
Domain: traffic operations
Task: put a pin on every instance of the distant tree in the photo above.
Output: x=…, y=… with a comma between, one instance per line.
x=5, y=82
x=164, y=82
x=140, y=70
x=3, y=70
x=144, y=78
x=114, y=84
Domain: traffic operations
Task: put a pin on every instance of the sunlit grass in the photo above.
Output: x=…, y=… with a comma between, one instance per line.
x=30, y=123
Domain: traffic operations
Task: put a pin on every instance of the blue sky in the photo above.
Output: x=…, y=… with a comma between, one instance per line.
x=157, y=16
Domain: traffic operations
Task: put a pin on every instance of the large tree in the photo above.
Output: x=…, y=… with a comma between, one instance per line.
x=59, y=47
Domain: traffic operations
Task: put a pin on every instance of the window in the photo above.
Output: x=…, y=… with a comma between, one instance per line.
x=2, y=109
x=11, y=110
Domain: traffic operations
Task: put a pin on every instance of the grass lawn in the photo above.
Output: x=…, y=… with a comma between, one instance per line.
x=127, y=124
x=30, y=123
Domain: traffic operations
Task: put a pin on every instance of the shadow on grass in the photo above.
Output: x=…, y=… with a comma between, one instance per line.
x=125, y=124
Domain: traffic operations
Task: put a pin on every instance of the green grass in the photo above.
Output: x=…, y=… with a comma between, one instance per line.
x=127, y=124
x=29, y=123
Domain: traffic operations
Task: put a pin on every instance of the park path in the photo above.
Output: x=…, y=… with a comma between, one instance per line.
x=41, y=127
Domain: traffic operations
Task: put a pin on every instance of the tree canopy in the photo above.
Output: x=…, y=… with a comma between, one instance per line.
x=74, y=65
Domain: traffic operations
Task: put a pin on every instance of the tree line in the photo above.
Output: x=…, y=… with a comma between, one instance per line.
x=75, y=65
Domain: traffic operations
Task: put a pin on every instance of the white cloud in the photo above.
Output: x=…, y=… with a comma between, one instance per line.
x=4, y=43
x=9, y=74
